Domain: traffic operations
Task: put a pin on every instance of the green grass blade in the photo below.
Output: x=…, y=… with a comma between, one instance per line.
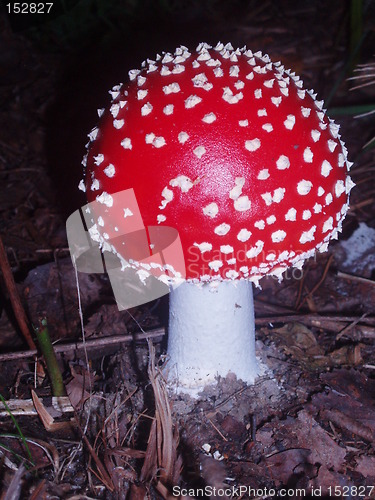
x=20, y=433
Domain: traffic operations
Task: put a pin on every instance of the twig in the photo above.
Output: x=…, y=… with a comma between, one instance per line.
x=300, y=289
x=349, y=424
x=217, y=430
x=352, y=277
x=26, y=407
x=315, y=288
x=332, y=323
x=19, y=311
x=103, y=474
x=315, y=319
x=361, y=204
x=349, y=327
x=89, y=344
x=14, y=488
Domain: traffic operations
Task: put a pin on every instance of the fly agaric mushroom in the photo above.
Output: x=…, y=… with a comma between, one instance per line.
x=229, y=149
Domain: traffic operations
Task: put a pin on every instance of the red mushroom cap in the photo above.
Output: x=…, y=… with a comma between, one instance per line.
x=229, y=149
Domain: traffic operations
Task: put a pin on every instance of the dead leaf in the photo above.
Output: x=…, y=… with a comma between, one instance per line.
x=303, y=446
x=47, y=420
x=282, y=465
x=346, y=355
x=324, y=449
x=352, y=383
x=300, y=342
x=348, y=424
x=324, y=480
x=78, y=389
x=366, y=466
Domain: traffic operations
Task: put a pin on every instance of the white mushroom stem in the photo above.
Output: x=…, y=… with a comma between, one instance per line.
x=211, y=333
